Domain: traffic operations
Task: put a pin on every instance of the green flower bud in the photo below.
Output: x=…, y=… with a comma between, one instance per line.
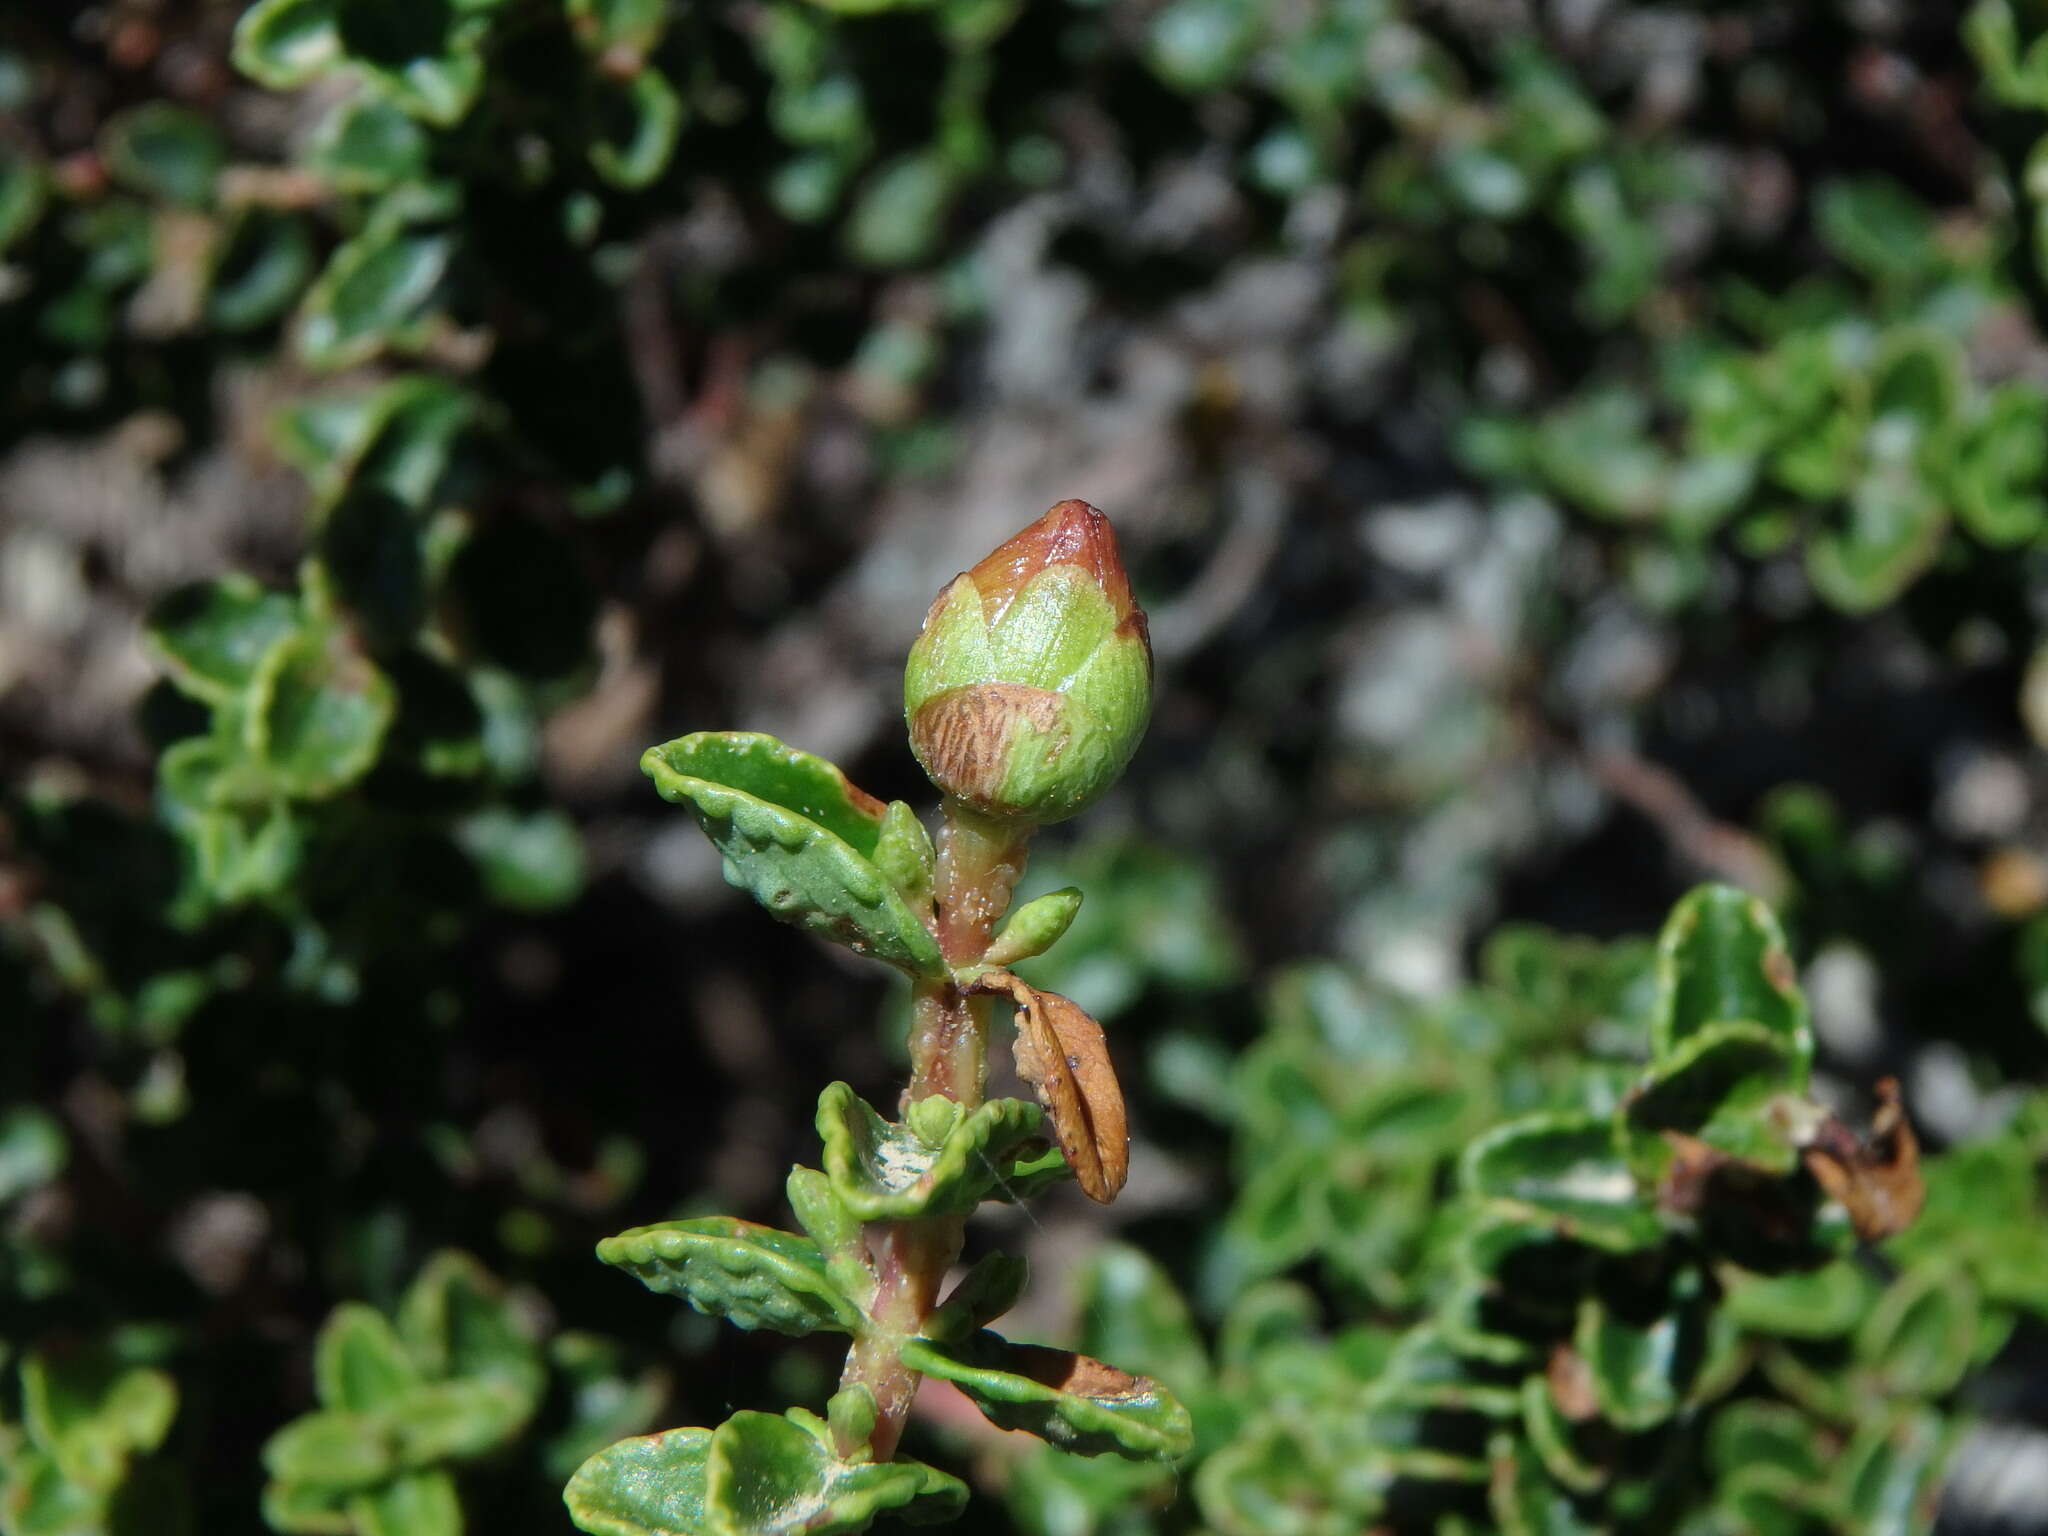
x=1030, y=683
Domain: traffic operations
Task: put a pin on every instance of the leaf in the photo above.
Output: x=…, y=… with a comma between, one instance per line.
x=1523, y=1499
x=988, y=1290
x=1823, y=1303
x=1563, y=1169
x=212, y=636
x=1921, y=1334
x=368, y=144
x=882, y=1171
x=649, y=1486
x=261, y=267
x=284, y=44
x=1130, y=1310
x=642, y=118
x=358, y=1362
x=1640, y=1369
x=1074, y=1402
x=456, y=1420
x=1722, y=957
x=306, y=1509
x=1550, y=1431
x=336, y=1451
x=1764, y=1434
x=796, y=836
x=318, y=714
x=530, y=861
x=900, y=213
x=1034, y=927
x=164, y=150
x=1061, y=1052
x=628, y=28
x=32, y=1150
x=754, y=1276
x=371, y=548
x=1890, y=1475
x=903, y=853
x=1717, y=1085
x=90, y=1414
x=23, y=195
x=418, y=1504
x=458, y=1324
x=372, y=294
x=766, y=1475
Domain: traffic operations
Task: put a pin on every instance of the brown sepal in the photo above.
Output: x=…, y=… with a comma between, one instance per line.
x=1061, y=1053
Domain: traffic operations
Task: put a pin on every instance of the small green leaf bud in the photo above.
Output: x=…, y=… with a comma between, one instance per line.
x=903, y=853
x=1034, y=927
x=932, y=1119
x=1031, y=681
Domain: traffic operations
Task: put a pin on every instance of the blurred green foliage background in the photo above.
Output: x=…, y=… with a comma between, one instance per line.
x=1569, y=449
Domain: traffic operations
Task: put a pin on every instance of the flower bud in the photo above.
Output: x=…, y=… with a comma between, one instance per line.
x=1028, y=687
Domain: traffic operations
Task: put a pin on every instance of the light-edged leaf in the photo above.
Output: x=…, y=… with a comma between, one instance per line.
x=359, y=1362
x=754, y=1276
x=1640, y=1370
x=458, y=1323
x=318, y=713
x=1717, y=1085
x=332, y=1450
x=416, y=1504
x=883, y=1171
x=283, y=44
x=372, y=294
x=644, y=117
x=1070, y=1400
x=1822, y=1303
x=652, y=1485
x=212, y=636
x=1563, y=1169
x=798, y=838
x=1722, y=957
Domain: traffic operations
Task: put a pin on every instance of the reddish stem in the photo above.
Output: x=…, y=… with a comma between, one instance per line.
x=979, y=862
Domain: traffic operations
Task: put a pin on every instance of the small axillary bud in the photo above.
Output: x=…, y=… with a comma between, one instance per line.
x=1030, y=684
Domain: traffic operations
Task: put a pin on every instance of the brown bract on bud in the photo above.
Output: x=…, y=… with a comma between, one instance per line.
x=1029, y=686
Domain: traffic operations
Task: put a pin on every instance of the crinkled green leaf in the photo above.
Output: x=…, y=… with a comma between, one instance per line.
x=1553, y=1437
x=1130, y=1310
x=1823, y=1303
x=284, y=44
x=367, y=144
x=337, y=1451
x=359, y=1363
x=628, y=27
x=1642, y=1368
x=1524, y=1499
x=882, y=1171
x=1755, y=1433
x=457, y=1322
x=319, y=713
x=754, y=1276
x=1722, y=957
x=1717, y=1084
x=372, y=294
x=164, y=150
x=767, y=1475
x=649, y=1486
x=23, y=195
x=89, y=1413
x=1563, y=1169
x=1920, y=1335
x=211, y=636
x=32, y=1150
x=642, y=118
x=456, y=1420
x=989, y=1289
x=796, y=836
x=1890, y=1475
x=1070, y=1400
x=262, y=266
x=417, y=1504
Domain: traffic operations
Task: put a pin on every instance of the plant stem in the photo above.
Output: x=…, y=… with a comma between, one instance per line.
x=979, y=863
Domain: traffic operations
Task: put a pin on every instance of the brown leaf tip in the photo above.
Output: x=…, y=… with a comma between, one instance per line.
x=1072, y=533
x=1876, y=1179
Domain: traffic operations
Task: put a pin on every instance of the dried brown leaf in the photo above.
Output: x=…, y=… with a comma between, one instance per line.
x=1876, y=1178
x=1062, y=1054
